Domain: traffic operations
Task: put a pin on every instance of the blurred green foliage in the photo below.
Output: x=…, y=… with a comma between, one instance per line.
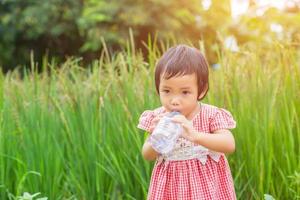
x=63, y=28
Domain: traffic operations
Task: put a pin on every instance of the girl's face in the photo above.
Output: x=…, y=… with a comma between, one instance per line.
x=179, y=93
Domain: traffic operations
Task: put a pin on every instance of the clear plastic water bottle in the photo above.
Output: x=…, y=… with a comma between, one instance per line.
x=165, y=134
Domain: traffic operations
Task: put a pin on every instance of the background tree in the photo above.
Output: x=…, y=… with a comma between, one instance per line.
x=62, y=28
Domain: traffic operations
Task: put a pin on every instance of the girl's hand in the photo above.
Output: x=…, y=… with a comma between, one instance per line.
x=189, y=132
x=155, y=121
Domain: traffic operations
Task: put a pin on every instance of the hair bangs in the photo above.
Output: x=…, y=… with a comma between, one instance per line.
x=182, y=60
x=178, y=64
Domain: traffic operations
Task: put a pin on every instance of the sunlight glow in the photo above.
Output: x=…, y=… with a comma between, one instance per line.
x=240, y=7
x=231, y=43
x=280, y=4
x=206, y=4
x=277, y=29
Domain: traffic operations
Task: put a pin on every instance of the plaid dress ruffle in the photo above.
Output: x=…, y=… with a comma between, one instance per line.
x=191, y=179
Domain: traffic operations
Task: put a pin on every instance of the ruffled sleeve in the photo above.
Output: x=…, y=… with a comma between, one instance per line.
x=222, y=119
x=145, y=120
x=147, y=117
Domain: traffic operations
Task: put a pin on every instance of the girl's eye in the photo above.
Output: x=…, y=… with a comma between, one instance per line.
x=166, y=91
x=185, y=92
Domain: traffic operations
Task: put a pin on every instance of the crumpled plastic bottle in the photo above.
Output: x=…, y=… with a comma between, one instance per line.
x=165, y=134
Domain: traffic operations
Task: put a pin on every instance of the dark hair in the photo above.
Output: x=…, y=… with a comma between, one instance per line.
x=182, y=60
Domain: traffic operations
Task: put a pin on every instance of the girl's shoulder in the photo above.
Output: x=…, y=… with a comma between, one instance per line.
x=209, y=110
x=216, y=118
x=210, y=107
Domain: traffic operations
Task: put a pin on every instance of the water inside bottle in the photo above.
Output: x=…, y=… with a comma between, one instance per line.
x=164, y=136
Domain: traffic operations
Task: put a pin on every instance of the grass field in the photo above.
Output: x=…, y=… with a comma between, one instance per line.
x=71, y=133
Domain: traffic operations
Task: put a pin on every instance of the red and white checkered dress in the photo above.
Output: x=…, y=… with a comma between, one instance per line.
x=191, y=179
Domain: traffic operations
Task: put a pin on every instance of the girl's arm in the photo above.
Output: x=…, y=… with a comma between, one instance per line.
x=220, y=141
x=148, y=152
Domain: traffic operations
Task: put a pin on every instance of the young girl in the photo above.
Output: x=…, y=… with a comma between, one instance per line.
x=196, y=168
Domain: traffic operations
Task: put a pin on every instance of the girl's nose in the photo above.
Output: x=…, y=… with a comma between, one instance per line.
x=175, y=101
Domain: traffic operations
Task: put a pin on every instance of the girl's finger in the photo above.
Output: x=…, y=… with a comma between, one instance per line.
x=158, y=117
x=155, y=120
x=185, y=126
x=162, y=114
x=177, y=119
x=151, y=129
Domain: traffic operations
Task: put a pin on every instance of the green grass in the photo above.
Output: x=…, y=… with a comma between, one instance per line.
x=73, y=135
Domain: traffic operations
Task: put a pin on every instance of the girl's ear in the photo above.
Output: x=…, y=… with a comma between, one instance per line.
x=203, y=93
